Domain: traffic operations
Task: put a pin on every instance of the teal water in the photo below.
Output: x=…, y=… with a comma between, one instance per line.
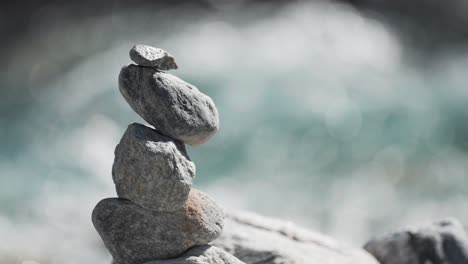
x=325, y=121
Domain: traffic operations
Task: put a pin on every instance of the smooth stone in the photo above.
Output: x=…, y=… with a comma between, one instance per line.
x=257, y=239
x=442, y=242
x=202, y=255
x=152, y=170
x=152, y=57
x=135, y=235
x=174, y=107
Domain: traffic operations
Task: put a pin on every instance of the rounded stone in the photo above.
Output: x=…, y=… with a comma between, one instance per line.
x=443, y=241
x=175, y=108
x=152, y=57
x=135, y=235
x=152, y=170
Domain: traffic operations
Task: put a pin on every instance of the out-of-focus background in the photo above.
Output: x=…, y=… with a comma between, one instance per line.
x=347, y=117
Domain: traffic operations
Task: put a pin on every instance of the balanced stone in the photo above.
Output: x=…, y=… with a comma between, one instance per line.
x=202, y=255
x=442, y=242
x=152, y=57
x=152, y=170
x=174, y=107
x=135, y=235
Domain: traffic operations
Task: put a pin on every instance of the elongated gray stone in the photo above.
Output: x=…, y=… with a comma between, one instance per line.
x=152, y=57
x=152, y=170
x=202, y=255
x=257, y=239
x=135, y=235
x=442, y=242
x=174, y=107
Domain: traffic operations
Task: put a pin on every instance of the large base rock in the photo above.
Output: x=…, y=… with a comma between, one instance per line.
x=152, y=170
x=255, y=239
x=134, y=235
x=202, y=255
x=443, y=242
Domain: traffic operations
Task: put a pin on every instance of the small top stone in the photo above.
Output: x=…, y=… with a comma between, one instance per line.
x=148, y=56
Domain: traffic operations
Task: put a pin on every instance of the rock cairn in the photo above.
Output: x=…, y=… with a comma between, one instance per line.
x=158, y=215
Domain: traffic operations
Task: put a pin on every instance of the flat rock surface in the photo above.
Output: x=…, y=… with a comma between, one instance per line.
x=255, y=239
x=202, y=255
x=174, y=107
x=152, y=170
x=152, y=57
x=135, y=235
x=442, y=242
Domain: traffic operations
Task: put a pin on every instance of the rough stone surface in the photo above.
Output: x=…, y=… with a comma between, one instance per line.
x=442, y=242
x=174, y=107
x=135, y=235
x=202, y=255
x=152, y=170
x=255, y=239
x=152, y=57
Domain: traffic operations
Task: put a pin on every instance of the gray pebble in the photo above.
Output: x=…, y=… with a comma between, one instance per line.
x=152, y=170
x=442, y=242
x=135, y=235
x=152, y=57
x=174, y=107
x=202, y=255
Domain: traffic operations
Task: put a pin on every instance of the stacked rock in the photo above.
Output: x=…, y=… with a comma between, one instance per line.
x=158, y=215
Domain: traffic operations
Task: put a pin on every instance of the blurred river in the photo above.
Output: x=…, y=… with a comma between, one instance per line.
x=324, y=121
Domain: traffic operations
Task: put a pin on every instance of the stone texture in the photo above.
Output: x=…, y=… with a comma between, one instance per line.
x=174, y=107
x=442, y=242
x=255, y=239
x=134, y=235
x=152, y=170
x=202, y=255
x=152, y=57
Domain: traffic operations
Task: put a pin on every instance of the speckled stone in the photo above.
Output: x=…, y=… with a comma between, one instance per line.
x=135, y=235
x=152, y=57
x=174, y=107
x=152, y=170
